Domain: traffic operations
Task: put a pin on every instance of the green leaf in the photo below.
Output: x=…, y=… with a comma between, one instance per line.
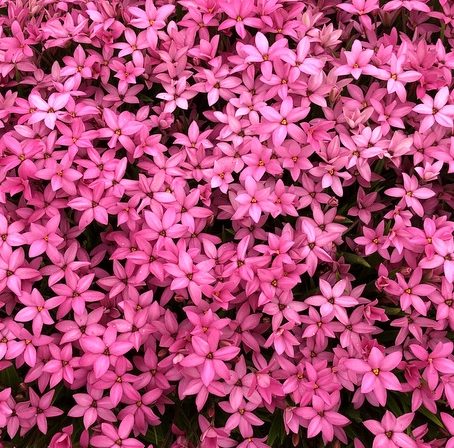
x=393, y=405
x=431, y=416
x=355, y=259
x=392, y=311
x=9, y=377
x=276, y=434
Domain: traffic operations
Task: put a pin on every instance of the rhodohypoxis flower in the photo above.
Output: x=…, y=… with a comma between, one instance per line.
x=333, y=300
x=102, y=353
x=396, y=76
x=91, y=406
x=189, y=275
x=390, y=432
x=12, y=270
x=376, y=371
x=448, y=421
x=410, y=193
x=62, y=439
x=242, y=416
x=322, y=419
x=235, y=208
x=436, y=110
x=209, y=358
x=43, y=409
x=264, y=53
x=48, y=111
x=75, y=294
x=281, y=123
x=120, y=128
x=152, y=19
x=241, y=14
x=253, y=201
x=92, y=204
x=37, y=310
x=112, y=437
x=411, y=290
x=357, y=62
x=435, y=362
x=44, y=238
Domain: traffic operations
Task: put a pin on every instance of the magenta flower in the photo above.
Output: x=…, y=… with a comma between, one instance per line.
x=357, y=62
x=390, y=432
x=435, y=362
x=209, y=358
x=91, y=407
x=152, y=19
x=377, y=377
x=333, y=300
x=49, y=111
x=322, y=419
x=120, y=128
x=62, y=439
x=411, y=193
x=37, y=310
x=282, y=123
x=44, y=238
x=12, y=271
x=264, y=53
x=242, y=416
x=102, y=353
x=448, y=421
x=112, y=437
x=436, y=110
x=92, y=204
x=43, y=409
x=253, y=201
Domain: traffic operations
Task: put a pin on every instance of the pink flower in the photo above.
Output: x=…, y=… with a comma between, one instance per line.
x=390, y=431
x=322, y=419
x=62, y=439
x=411, y=193
x=43, y=409
x=100, y=354
x=112, y=437
x=252, y=201
x=333, y=300
x=209, y=358
x=357, y=62
x=264, y=53
x=281, y=123
x=241, y=14
x=448, y=421
x=435, y=362
x=12, y=271
x=49, y=111
x=37, y=310
x=436, y=110
x=152, y=19
x=377, y=376
x=91, y=407
x=242, y=416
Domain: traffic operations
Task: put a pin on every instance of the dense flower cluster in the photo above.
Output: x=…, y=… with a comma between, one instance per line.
x=226, y=223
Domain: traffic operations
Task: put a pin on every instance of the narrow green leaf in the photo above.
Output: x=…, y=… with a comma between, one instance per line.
x=431, y=416
x=355, y=259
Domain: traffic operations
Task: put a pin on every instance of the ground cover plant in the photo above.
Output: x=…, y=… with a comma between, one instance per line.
x=226, y=223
